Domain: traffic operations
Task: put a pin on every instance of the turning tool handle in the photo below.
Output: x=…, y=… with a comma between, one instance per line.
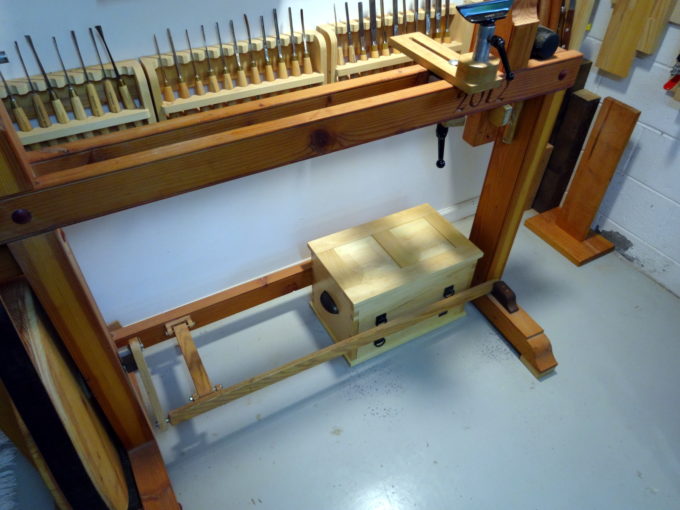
x=295, y=67
x=168, y=94
x=40, y=110
x=283, y=70
x=307, y=65
x=441, y=132
x=22, y=120
x=93, y=98
x=183, y=90
x=59, y=111
x=213, y=85
x=241, y=78
x=226, y=81
x=255, y=74
x=199, y=87
x=268, y=72
x=78, y=108
x=126, y=97
x=111, y=97
x=499, y=43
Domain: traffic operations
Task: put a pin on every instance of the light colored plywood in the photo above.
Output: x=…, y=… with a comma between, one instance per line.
x=149, y=388
x=194, y=363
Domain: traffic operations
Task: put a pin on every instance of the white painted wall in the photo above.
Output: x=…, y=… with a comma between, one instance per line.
x=643, y=200
x=148, y=259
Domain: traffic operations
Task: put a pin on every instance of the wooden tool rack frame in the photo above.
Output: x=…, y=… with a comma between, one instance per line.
x=42, y=192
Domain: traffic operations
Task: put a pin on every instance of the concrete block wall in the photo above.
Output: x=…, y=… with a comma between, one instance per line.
x=641, y=210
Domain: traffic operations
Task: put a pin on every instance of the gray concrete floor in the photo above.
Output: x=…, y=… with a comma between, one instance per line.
x=452, y=419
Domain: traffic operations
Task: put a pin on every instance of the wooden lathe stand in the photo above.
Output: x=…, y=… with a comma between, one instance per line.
x=42, y=192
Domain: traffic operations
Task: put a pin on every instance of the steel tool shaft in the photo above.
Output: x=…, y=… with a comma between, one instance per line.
x=226, y=75
x=428, y=14
x=374, y=28
x=76, y=103
x=90, y=89
x=212, y=78
x=416, y=15
x=437, y=19
x=306, y=59
x=351, y=54
x=198, y=82
x=182, y=87
x=362, y=34
x=40, y=110
x=240, y=73
x=19, y=113
x=342, y=48
x=166, y=89
x=268, y=69
x=447, y=28
x=384, y=48
x=294, y=61
x=254, y=71
x=282, y=69
x=122, y=86
x=109, y=89
x=57, y=105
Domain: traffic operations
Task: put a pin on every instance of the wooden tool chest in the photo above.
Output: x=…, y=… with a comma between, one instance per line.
x=376, y=272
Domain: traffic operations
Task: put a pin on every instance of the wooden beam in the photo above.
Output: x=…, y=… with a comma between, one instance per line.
x=145, y=375
x=582, y=14
x=523, y=333
x=226, y=395
x=9, y=269
x=53, y=273
x=93, y=190
x=508, y=184
x=218, y=306
x=151, y=477
x=129, y=141
x=15, y=170
x=568, y=139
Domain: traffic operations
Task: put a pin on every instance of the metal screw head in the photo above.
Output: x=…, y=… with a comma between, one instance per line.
x=191, y=399
x=22, y=216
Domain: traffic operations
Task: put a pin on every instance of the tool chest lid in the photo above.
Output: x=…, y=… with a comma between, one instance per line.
x=381, y=255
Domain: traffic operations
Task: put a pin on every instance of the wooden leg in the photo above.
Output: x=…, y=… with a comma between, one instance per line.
x=522, y=332
x=151, y=477
x=508, y=184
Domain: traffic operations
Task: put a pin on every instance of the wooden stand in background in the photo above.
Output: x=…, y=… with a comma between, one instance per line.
x=567, y=228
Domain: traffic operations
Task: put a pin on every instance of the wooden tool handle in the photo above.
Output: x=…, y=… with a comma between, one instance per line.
x=363, y=55
x=307, y=65
x=295, y=67
x=385, y=51
x=283, y=70
x=22, y=120
x=78, y=108
x=199, y=87
x=93, y=98
x=126, y=97
x=213, y=85
x=268, y=72
x=241, y=78
x=168, y=94
x=40, y=111
x=375, y=53
x=341, y=55
x=351, y=56
x=183, y=90
x=226, y=80
x=254, y=75
x=111, y=97
x=60, y=111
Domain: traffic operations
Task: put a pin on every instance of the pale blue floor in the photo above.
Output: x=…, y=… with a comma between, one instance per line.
x=452, y=419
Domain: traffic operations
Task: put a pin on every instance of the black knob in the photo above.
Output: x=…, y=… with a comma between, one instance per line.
x=442, y=131
x=328, y=303
x=545, y=44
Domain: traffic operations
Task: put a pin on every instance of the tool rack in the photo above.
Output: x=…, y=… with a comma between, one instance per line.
x=114, y=118
x=41, y=192
x=341, y=68
x=222, y=95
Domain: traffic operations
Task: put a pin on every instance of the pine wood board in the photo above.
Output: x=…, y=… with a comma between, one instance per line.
x=578, y=252
x=624, y=31
x=151, y=477
x=155, y=411
x=655, y=26
x=579, y=26
x=87, y=191
x=675, y=15
x=88, y=435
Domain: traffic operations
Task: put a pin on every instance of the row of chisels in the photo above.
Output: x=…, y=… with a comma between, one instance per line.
x=266, y=56
x=367, y=37
x=70, y=98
